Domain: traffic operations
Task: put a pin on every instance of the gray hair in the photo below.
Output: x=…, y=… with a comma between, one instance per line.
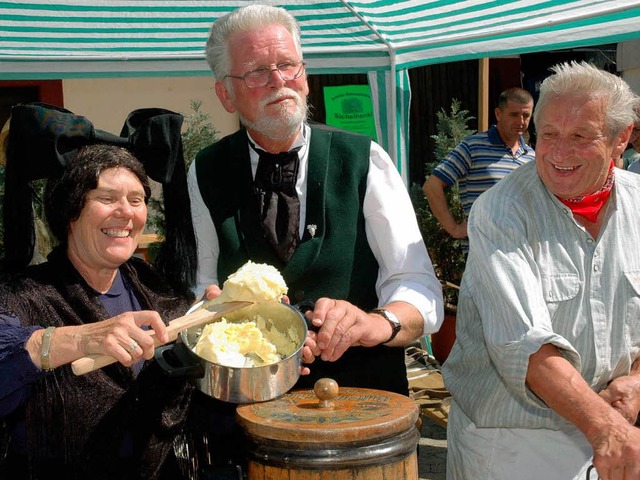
x=577, y=79
x=245, y=18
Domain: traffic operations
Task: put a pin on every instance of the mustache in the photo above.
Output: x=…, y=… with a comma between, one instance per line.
x=279, y=95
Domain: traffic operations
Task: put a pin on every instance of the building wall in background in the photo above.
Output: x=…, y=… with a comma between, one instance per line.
x=108, y=101
x=628, y=62
x=14, y=92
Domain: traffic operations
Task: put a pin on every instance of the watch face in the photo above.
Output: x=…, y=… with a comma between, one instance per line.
x=390, y=317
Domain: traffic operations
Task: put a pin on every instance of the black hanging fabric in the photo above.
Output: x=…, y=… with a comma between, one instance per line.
x=44, y=140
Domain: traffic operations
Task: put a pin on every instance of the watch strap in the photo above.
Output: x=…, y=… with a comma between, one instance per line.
x=392, y=319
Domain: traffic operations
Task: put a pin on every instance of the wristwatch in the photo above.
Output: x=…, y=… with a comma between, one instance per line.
x=392, y=319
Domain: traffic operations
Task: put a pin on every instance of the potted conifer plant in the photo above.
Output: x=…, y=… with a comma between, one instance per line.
x=445, y=252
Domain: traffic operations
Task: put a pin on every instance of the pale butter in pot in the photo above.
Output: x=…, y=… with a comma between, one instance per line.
x=253, y=282
x=253, y=341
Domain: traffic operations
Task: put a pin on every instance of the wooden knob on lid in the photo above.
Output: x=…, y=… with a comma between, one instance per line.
x=326, y=389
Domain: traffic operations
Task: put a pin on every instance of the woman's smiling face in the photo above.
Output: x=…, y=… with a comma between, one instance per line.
x=107, y=232
x=574, y=148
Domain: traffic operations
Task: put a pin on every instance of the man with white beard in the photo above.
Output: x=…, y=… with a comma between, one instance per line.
x=331, y=213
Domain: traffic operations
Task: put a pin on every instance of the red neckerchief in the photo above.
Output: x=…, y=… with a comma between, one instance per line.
x=590, y=205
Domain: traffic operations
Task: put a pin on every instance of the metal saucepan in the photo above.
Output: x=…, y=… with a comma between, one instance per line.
x=239, y=384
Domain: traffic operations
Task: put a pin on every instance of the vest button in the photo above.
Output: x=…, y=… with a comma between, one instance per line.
x=298, y=295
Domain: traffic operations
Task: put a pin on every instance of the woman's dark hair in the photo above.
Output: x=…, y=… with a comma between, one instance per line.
x=65, y=197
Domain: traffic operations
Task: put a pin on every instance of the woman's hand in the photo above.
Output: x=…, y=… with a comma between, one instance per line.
x=124, y=338
x=128, y=337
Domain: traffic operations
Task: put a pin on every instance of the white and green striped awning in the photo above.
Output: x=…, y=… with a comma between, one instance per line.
x=104, y=38
x=83, y=38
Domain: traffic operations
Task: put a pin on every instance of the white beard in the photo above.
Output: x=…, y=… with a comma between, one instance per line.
x=283, y=124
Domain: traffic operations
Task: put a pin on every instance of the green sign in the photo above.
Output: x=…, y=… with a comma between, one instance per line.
x=349, y=107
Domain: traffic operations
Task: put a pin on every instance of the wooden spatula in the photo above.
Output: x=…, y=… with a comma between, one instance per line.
x=205, y=314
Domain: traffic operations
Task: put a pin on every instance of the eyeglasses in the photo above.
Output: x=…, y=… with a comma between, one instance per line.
x=260, y=77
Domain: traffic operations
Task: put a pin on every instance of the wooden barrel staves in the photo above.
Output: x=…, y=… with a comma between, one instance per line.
x=331, y=433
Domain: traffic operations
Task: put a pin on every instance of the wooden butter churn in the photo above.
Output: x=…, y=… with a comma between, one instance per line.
x=331, y=432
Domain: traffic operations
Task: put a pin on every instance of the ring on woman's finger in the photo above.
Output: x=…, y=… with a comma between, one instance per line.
x=134, y=346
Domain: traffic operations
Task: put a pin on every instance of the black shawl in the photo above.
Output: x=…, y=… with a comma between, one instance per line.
x=76, y=424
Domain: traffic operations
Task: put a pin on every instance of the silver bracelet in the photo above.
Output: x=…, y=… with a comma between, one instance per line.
x=44, y=351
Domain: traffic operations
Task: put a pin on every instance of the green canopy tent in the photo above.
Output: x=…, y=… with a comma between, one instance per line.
x=59, y=39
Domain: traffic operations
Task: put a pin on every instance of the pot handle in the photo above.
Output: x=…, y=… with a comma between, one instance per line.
x=176, y=360
x=304, y=306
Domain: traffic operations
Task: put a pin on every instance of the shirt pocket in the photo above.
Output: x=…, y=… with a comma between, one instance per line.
x=632, y=311
x=559, y=288
x=634, y=281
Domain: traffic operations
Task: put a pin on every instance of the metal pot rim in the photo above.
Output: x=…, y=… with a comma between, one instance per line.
x=189, y=344
x=251, y=384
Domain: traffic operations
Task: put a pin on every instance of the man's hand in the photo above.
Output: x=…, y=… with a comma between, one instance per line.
x=459, y=230
x=615, y=443
x=434, y=189
x=616, y=452
x=623, y=394
x=342, y=325
x=307, y=353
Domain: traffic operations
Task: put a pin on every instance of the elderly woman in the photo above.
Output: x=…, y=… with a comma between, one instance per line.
x=91, y=296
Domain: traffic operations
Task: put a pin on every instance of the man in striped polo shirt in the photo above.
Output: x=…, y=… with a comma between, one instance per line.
x=481, y=160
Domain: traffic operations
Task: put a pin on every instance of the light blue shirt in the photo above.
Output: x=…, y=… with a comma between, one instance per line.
x=535, y=276
x=629, y=157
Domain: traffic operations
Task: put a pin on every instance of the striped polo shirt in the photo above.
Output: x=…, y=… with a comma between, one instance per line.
x=479, y=162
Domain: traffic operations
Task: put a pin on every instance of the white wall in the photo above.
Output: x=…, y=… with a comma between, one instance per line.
x=108, y=101
x=632, y=77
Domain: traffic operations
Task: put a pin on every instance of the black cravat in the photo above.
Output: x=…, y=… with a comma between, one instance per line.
x=275, y=186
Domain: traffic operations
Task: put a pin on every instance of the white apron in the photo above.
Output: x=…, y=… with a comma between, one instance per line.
x=508, y=453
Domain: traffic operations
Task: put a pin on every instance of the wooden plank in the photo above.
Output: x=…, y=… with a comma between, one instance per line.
x=430, y=394
x=483, y=94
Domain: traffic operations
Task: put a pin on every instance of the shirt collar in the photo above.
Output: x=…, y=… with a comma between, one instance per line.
x=302, y=141
x=117, y=287
x=496, y=139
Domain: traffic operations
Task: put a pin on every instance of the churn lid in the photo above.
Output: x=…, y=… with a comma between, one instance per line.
x=329, y=413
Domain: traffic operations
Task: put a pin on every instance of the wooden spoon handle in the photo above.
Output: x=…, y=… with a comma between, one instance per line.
x=201, y=316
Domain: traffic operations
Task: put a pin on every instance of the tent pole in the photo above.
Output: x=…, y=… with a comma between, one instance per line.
x=483, y=94
x=392, y=114
x=392, y=129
